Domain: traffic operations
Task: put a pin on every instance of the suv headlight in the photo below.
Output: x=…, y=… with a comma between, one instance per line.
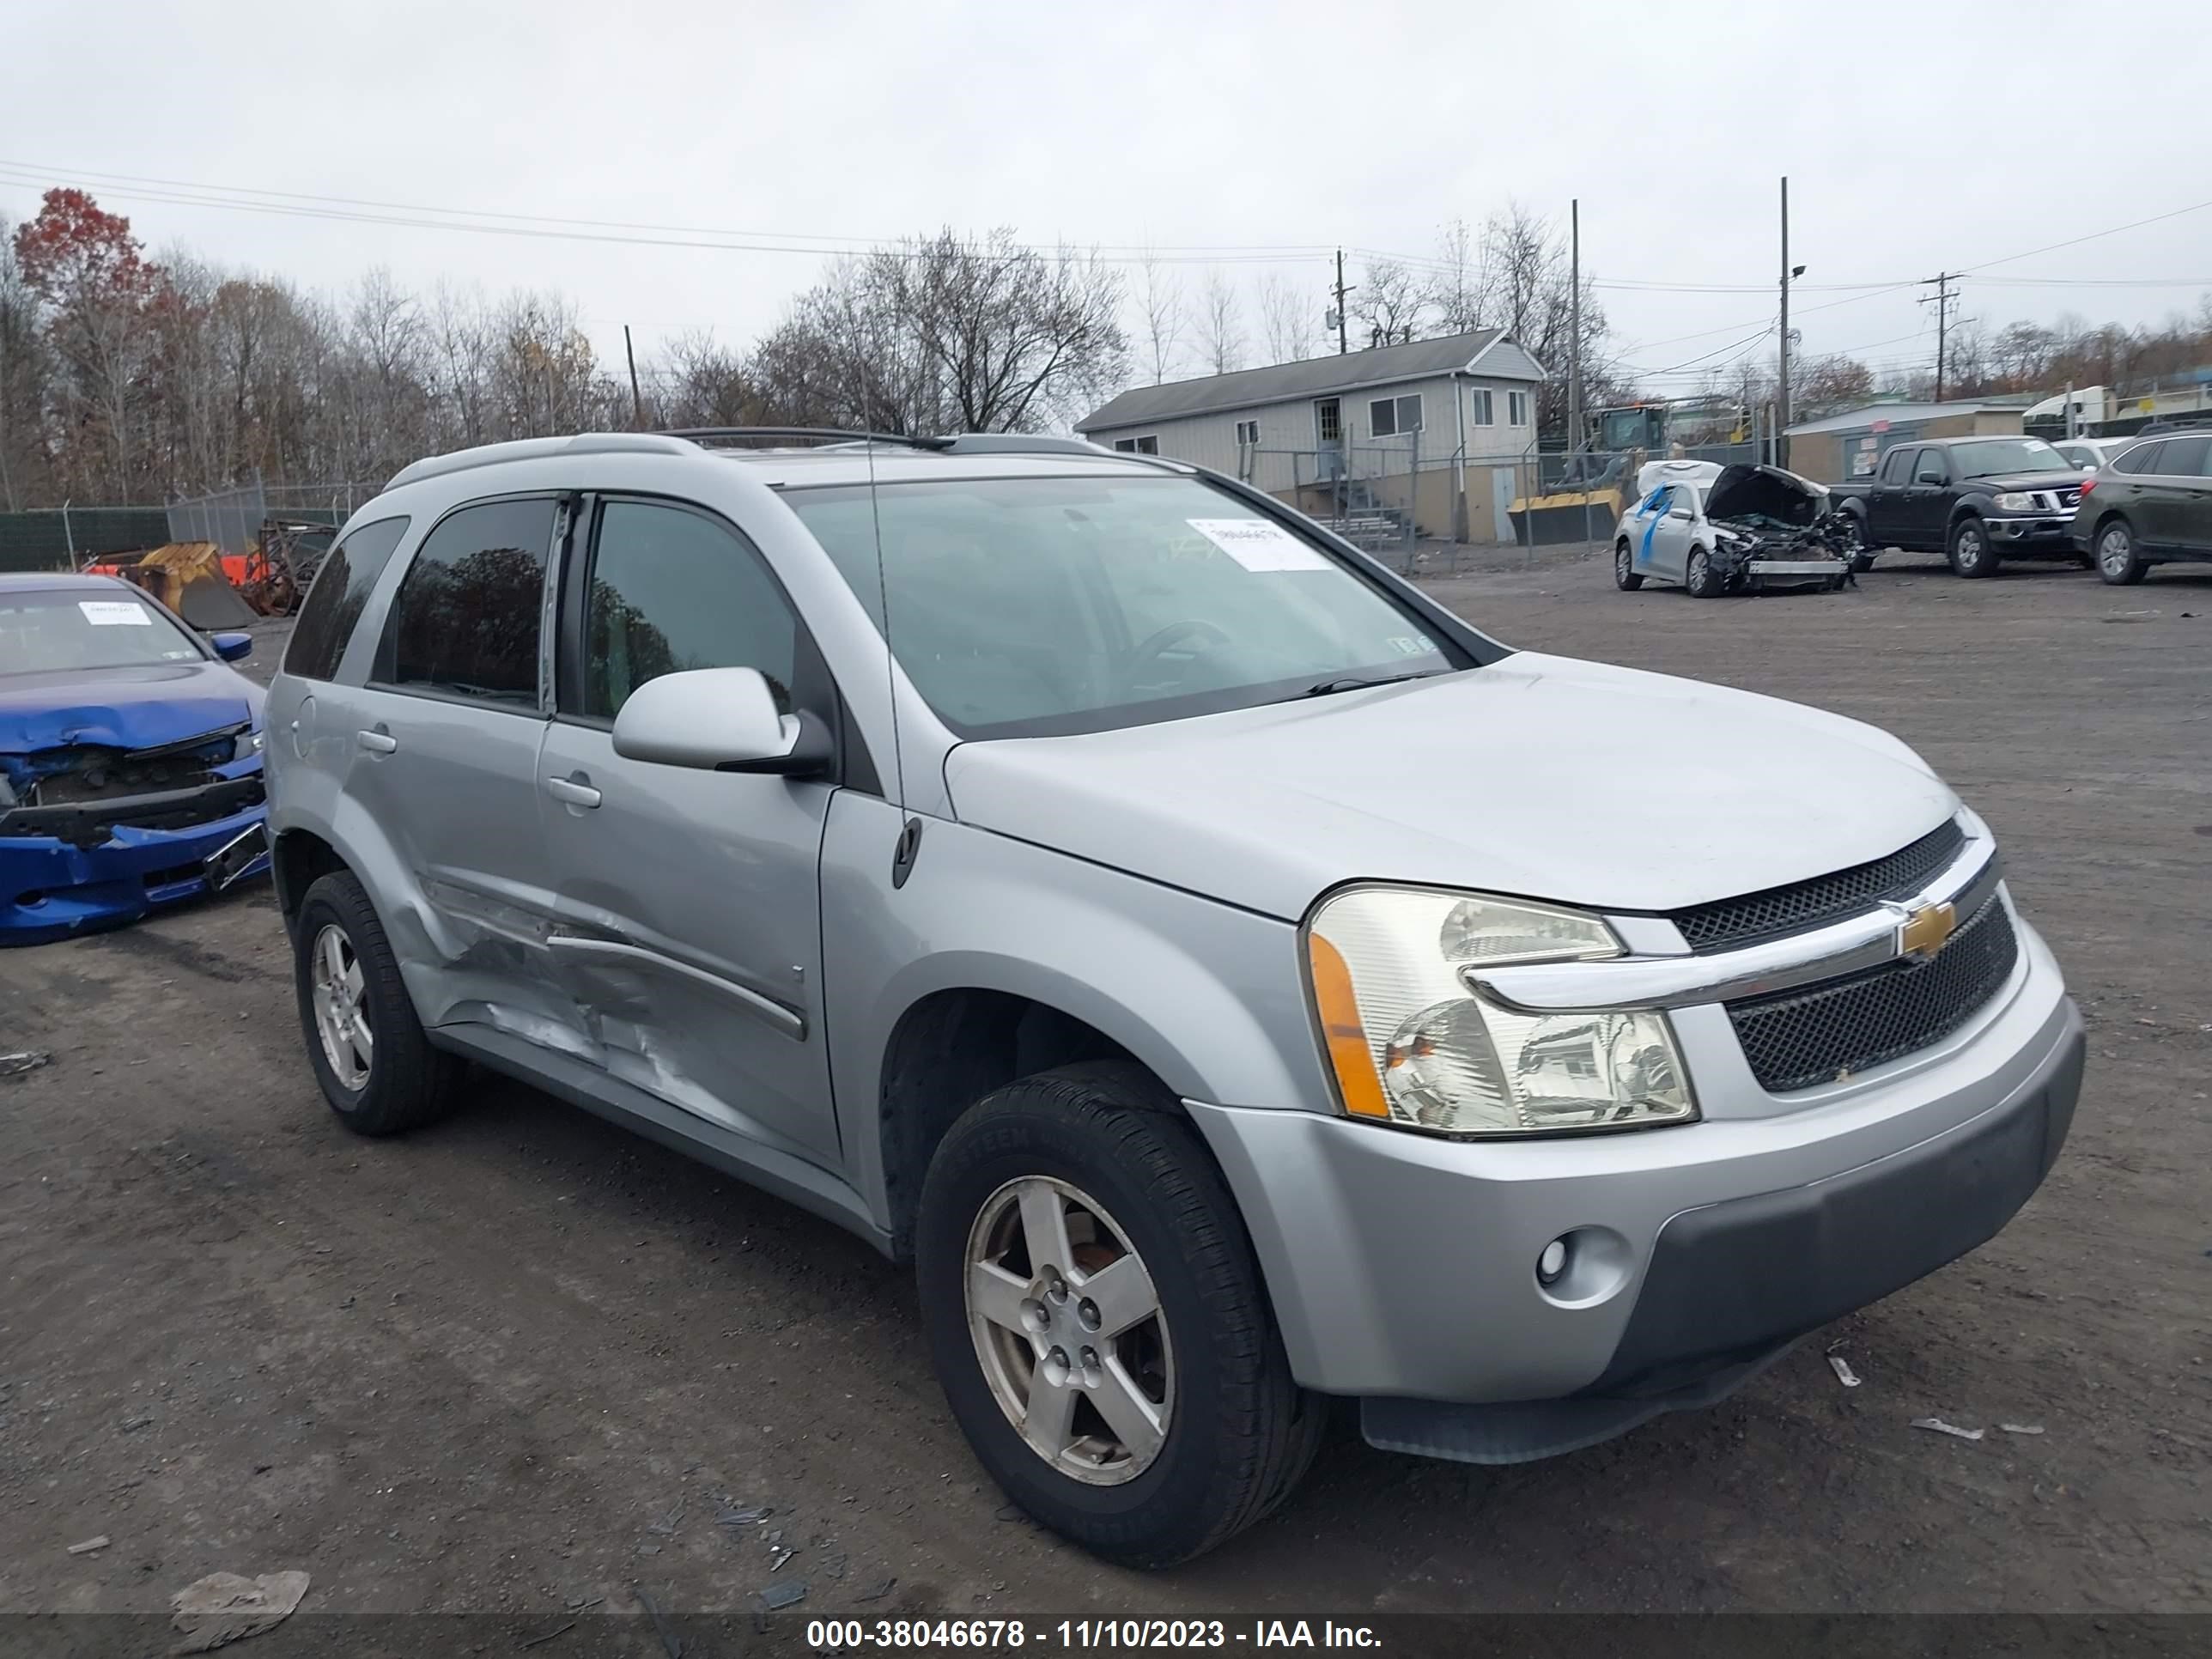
x=2015, y=501
x=1411, y=1043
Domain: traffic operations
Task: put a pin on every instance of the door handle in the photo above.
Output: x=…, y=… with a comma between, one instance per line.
x=576, y=794
x=377, y=742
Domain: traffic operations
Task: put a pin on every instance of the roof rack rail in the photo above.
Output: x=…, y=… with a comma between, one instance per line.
x=708, y=434
x=525, y=449
x=1022, y=443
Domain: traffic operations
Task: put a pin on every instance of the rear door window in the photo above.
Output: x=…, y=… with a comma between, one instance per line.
x=466, y=619
x=1897, y=465
x=2143, y=458
x=337, y=598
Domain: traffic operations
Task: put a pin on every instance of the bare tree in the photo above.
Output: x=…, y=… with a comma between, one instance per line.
x=1454, y=289
x=701, y=382
x=23, y=381
x=1388, y=303
x=1527, y=286
x=1285, y=321
x=1161, y=318
x=1220, y=325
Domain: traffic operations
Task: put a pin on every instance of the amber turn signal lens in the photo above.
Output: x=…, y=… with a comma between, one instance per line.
x=1349, y=1056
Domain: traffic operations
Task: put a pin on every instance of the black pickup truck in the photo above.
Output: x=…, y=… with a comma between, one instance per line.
x=1975, y=500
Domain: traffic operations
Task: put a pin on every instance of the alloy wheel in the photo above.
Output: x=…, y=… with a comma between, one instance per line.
x=342, y=1009
x=1068, y=1329
x=2115, y=551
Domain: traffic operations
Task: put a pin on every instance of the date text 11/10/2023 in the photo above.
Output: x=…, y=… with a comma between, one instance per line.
x=1081, y=1635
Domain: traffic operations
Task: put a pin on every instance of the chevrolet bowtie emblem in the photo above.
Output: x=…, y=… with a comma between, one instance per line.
x=1925, y=931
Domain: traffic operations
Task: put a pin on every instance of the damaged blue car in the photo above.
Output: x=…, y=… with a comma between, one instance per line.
x=129, y=758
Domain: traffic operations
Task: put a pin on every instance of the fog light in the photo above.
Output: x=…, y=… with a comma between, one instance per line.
x=1553, y=1262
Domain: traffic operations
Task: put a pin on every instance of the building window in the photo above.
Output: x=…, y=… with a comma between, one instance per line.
x=1478, y=406
x=1387, y=417
x=1247, y=432
x=1147, y=445
x=1516, y=408
x=1328, y=421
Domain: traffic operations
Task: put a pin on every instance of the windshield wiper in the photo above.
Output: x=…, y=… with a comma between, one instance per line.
x=1361, y=681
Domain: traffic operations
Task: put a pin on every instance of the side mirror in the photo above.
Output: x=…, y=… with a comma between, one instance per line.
x=719, y=719
x=232, y=647
x=1929, y=479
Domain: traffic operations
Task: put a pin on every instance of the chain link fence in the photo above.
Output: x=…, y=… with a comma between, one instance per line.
x=232, y=519
x=64, y=538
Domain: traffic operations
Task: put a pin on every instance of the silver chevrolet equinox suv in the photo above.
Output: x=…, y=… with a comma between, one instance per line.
x=1229, y=979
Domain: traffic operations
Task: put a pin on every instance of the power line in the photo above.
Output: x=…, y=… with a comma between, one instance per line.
x=409, y=216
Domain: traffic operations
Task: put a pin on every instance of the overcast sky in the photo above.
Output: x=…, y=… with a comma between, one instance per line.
x=1944, y=134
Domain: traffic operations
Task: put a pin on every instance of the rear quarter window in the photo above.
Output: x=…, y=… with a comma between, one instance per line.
x=338, y=596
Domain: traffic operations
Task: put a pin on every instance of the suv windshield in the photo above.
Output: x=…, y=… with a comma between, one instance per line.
x=1027, y=607
x=51, y=630
x=1993, y=457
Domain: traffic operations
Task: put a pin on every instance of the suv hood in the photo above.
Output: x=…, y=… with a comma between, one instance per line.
x=1740, y=491
x=143, y=707
x=1538, y=777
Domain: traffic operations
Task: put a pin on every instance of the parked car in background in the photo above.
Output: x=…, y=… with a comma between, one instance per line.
x=1224, y=974
x=2151, y=505
x=129, y=758
x=2090, y=453
x=1978, y=501
x=1720, y=530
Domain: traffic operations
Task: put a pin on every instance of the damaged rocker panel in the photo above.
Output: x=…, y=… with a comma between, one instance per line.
x=771, y=1012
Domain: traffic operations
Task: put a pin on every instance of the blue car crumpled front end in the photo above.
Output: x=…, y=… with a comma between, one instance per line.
x=109, y=812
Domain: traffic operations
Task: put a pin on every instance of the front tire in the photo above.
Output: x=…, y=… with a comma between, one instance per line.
x=1701, y=580
x=2119, y=564
x=1862, y=549
x=1971, y=556
x=377, y=1070
x=1624, y=568
x=1097, y=1321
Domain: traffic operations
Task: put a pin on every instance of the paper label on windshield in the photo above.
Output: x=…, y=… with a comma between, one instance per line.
x=115, y=613
x=1259, y=544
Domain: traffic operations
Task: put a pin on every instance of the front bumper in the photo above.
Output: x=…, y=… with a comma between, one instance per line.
x=1794, y=573
x=1403, y=1266
x=2050, y=535
x=50, y=889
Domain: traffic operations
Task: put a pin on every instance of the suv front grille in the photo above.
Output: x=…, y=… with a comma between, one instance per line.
x=2070, y=497
x=1795, y=1039
x=1725, y=924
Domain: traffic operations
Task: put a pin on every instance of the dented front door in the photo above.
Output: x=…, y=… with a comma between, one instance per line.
x=688, y=929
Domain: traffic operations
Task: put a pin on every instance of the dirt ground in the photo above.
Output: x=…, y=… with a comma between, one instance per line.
x=524, y=1360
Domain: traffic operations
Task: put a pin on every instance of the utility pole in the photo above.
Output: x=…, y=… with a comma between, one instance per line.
x=1782, y=368
x=1575, y=326
x=1339, y=291
x=637, y=403
x=1941, y=300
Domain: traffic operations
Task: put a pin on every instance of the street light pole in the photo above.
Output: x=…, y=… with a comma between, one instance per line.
x=1782, y=377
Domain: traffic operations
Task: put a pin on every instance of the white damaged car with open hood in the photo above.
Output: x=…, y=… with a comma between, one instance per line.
x=1734, y=529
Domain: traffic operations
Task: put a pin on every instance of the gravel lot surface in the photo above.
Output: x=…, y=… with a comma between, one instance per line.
x=523, y=1359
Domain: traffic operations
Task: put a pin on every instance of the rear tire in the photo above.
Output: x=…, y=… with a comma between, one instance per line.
x=1700, y=579
x=1101, y=1146
x=377, y=1070
x=1971, y=556
x=1624, y=568
x=2119, y=563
